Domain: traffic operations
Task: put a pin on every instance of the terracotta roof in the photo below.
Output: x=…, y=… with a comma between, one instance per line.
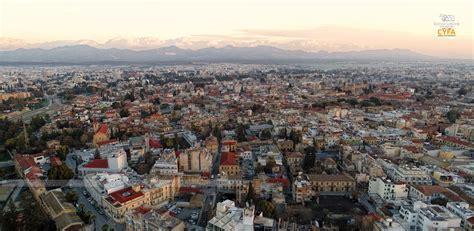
x=229, y=158
x=97, y=163
x=189, y=190
x=294, y=155
x=455, y=140
x=470, y=220
x=429, y=190
x=104, y=129
x=25, y=161
x=142, y=210
x=126, y=194
x=55, y=161
x=154, y=143
x=283, y=181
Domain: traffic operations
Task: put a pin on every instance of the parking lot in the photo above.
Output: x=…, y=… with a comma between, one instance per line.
x=188, y=215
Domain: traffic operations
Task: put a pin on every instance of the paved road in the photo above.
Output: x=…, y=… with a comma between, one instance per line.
x=54, y=104
x=364, y=200
x=7, y=163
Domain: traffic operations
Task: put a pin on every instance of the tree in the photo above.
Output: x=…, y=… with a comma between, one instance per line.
x=462, y=91
x=97, y=154
x=124, y=113
x=62, y=151
x=453, y=115
x=217, y=133
x=309, y=158
x=61, y=172
x=267, y=208
x=31, y=210
x=8, y=217
x=266, y=134
x=251, y=195
x=240, y=130
x=72, y=197
x=105, y=227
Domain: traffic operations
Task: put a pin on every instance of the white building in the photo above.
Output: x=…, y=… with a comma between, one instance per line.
x=103, y=184
x=116, y=162
x=461, y=209
x=231, y=218
x=387, y=189
x=409, y=175
x=420, y=216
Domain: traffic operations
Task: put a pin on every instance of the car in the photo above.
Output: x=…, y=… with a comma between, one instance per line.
x=84, y=192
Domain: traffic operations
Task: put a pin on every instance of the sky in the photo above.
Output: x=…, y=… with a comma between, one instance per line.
x=311, y=25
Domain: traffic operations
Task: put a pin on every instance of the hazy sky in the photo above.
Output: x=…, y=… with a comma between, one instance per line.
x=310, y=25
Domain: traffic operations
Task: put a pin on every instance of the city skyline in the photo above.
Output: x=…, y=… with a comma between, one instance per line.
x=309, y=26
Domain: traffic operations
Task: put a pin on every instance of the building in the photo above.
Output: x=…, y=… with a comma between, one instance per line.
x=410, y=175
x=294, y=160
x=302, y=189
x=195, y=160
x=231, y=218
x=426, y=193
x=115, y=163
x=28, y=169
x=285, y=145
x=144, y=218
x=102, y=134
x=117, y=203
x=229, y=164
x=387, y=189
x=63, y=213
x=420, y=216
x=332, y=183
x=461, y=209
x=103, y=184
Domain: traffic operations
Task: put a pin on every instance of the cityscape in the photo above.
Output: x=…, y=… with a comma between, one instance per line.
x=181, y=134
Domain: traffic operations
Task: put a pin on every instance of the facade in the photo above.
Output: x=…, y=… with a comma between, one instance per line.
x=195, y=160
x=302, y=189
x=461, y=209
x=102, y=134
x=388, y=190
x=410, y=175
x=332, y=183
x=229, y=164
x=420, y=216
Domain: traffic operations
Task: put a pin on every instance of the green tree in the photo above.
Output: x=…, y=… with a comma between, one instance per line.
x=251, y=195
x=124, y=113
x=453, y=115
x=72, y=197
x=462, y=91
x=61, y=172
x=309, y=158
x=266, y=134
x=8, y=217
x=267, y=207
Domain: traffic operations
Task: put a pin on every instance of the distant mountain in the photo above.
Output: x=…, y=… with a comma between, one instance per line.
x=89, y=54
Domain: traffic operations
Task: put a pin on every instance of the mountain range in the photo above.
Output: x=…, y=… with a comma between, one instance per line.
x=89, y=54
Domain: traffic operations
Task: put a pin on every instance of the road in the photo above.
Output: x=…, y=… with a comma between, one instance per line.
x=54, y=104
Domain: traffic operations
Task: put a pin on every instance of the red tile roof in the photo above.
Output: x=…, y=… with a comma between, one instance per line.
x=189, y=190
x=229, y=158
x=126, y=194
x=142, y=210
x=25, y=161
x=97, y=163
x=154, y=143
x=283, y=181
x=55, y=161
x=104, y=129
x=455, y=140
